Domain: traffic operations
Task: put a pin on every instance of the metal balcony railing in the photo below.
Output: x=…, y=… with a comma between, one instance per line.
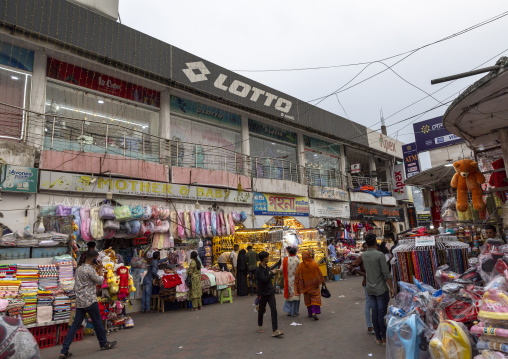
x=274, y=168
x=325, y=178
x=97, y=137
x=357, y=181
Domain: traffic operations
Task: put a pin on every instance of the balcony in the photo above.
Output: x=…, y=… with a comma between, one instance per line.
x=358, y=181
x=325, y=178
x=274, y=168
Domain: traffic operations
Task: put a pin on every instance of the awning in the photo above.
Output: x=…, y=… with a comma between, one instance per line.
x=435, y=177
x=481, y=110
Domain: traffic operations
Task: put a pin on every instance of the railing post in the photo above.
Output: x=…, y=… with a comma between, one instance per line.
x=270, y=169
x=107, y=134
x=213, y=158
x=283, y=170
x=81, y=137
x=143, y=144
x=53, y=132
x=290, y=172
x=225, y=163
x=195, y=156
x=124, y=145
x=256, y=168
x=236, y=165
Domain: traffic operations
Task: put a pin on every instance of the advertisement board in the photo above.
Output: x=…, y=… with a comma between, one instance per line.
x=375, y=212
x=400, y=191
x=431, y=134
x=386, y=144
x=18, y=179
x=328, y=193
x=411, y=160
x=93, y=80
x=266, y=204
x=412, y=218
x=75, y=182
x=329, y=209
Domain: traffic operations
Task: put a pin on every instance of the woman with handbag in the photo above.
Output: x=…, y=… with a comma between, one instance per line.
x=289, y=266
x=194, y=272
x=308, y=278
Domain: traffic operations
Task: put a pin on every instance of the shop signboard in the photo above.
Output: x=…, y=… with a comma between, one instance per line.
x=194, y=109
x=431, y=134
x=425, y=241
x=423, y=218
x=272, y=132
x=75, y=182
x=16, y=57
x=93, y=80
x=355, y=168
x=400, y=191
x=328, y=193
x=412, y=219
x=267, y=204
x=329, y=209
x=411, y=161
x=18, y=179
x=383, y=143
x=375, y=212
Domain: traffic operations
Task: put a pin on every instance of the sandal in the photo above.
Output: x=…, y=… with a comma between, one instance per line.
x=260, y=330
x=277, y=333
x=315, y=317
x=108, y=345
x=379, y=342
x=64, y=356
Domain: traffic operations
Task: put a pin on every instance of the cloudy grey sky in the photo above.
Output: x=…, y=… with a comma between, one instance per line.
x=267, y=34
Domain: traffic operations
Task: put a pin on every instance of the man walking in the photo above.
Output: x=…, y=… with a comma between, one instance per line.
x=85, y=287
x=266, y=294
x=252, y=258
x=379, y=286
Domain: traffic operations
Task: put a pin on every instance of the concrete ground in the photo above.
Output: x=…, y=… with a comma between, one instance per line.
x=229, y=331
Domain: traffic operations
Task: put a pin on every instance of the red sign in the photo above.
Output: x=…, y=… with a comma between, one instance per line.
x=103, y=83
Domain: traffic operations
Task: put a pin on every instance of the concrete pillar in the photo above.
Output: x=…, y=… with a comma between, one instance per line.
x=372, y=170
x=301, y=157
x=503, y=138
x=246, y=165
x=36, y=119
x=165, y=128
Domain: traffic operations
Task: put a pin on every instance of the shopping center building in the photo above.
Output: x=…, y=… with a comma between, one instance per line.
x=90, y=106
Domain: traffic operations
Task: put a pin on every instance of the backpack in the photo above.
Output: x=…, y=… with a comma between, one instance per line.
x=123, y=213
x=106, y=212
x=147, y=213
x=137, y=212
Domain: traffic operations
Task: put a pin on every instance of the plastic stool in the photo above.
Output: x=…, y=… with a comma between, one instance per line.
x=228, y=298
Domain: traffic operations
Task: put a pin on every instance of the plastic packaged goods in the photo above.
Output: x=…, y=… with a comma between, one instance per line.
x=405, y=338
x=451, y=341
x=444, y=275
x=491, y=354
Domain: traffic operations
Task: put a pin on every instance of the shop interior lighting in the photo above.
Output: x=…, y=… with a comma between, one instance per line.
x=15, y=78
x=100, y=100
x=101, y=116
x=450, y=163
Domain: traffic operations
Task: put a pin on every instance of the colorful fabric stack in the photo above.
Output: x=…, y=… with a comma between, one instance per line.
x=65, y=275
x=9, y=289
x=28, y=274
x=8, y=272
x=72, y=297
x=48, y=277
x=61, y=307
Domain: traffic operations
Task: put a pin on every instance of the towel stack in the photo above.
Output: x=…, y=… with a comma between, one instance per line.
x=61, y=307
x=48, y=277
x=8, y=272
x=28, y=274
x=9, y=289
x=65, y=275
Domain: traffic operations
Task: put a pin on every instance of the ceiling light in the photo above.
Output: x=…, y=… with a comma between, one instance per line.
x=15, y=78
x=448, y=164
x=100, y=100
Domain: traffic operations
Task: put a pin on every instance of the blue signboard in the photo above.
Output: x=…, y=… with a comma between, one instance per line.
x=204, y=112
x=411, y=162
x=16, y=57
x=431, y=134
x=272, y=132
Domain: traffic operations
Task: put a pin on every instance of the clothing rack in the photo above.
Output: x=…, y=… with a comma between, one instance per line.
x=422, y=262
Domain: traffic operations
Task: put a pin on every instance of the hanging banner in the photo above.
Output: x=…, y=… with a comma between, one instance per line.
x=18, y=179
x=374, y=212
x=92, y=80
x=75, y=182
x=266, y=204
x=411, y=161
x=400, y=191
x=412, y=218
x=431, y=134
x=329, y=209
x=328, y=193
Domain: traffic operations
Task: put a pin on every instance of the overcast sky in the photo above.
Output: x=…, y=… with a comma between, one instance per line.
x=260, y=35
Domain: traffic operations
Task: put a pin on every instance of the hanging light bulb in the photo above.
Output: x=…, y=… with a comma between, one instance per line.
x=197, y=204
x=109, y=195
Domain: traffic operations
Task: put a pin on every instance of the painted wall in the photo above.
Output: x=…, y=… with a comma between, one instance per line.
x=212, y=178
x=279, y=186
x=13, y=207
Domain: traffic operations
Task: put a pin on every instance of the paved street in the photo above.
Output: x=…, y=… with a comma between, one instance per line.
x=229, y=331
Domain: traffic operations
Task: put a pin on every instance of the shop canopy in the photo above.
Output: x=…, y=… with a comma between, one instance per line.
x=480, y=111
x=434, y=178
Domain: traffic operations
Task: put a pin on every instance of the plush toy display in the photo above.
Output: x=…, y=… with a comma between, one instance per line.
x=111, y=254
x=468, y=177
x=498, y=179
x=123, y=273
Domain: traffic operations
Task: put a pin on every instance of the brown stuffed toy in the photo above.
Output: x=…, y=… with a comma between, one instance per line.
x=468, y=177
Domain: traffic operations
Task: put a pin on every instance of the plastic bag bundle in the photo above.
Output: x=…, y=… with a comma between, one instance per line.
x=405, y=338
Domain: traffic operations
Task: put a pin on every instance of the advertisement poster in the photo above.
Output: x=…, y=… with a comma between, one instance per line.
x=266, y=204
x=329, y=209
x=411, y=161
x=74, y=182
x=431, y=134
x=412, y=218
x=18, y=179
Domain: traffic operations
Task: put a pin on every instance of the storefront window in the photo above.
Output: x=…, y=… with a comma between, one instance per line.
x=14, y=90
x=84, y=121
x=273, y=159
x=322, y=161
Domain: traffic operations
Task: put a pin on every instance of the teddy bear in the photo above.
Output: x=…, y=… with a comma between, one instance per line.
x=467, y=177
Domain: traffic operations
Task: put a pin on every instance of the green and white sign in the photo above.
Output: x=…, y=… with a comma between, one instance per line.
x=18, y=179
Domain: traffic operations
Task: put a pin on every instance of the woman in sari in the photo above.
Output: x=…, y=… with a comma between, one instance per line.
x=307, y=281
x=290, y=265
x=194, y=272
x=242, y=288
